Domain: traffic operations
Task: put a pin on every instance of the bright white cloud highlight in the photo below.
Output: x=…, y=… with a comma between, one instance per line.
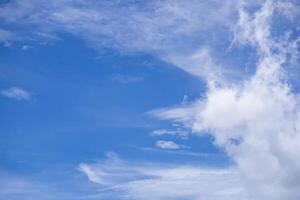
x=16, y=93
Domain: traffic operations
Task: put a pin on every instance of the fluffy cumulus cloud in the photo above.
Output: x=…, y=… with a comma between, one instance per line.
x=16, y=93
x=137, y=180
x=256, y=121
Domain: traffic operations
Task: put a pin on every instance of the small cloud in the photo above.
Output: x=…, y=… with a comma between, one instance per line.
x=185, y=99
x=16, y=93
x=164, y=144
x=25, y=47
x=121, y=78
x=179, y=132
x=161, y=132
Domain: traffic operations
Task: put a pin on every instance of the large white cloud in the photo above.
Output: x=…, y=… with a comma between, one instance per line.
x=257, y=121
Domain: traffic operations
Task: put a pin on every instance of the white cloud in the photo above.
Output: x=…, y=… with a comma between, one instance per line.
x=25, y=47
x=160, y=132
x=183, y=33
x=199, y=63
x=164, y=144
x=43, y=186
x=257, y=121
x=16, y=93
x=172, y=29
x=186, y=153
x=179, y=132
x=185, y=99
x=145, y=181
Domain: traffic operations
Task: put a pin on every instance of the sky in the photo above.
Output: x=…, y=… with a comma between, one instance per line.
x=146, y=100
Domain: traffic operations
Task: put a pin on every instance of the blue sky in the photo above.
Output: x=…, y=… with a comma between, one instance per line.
x=149, y=99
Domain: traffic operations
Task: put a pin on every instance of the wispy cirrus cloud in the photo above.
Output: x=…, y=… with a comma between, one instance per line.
x=138, y=180
x=16, y=93
x=38, y=186
x=170, y=145
x=16, y=187
x=175, y=31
